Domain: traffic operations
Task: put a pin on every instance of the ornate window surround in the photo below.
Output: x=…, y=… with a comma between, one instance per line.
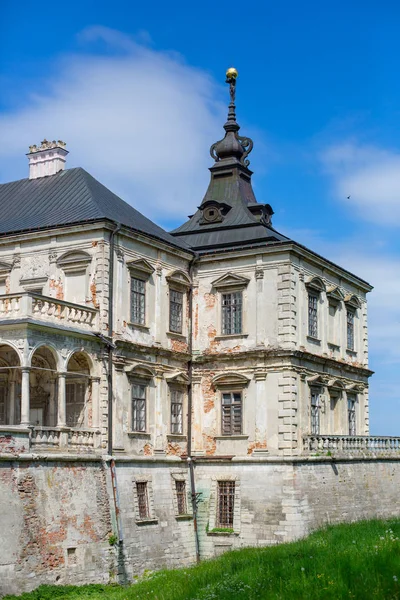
x=140, y=374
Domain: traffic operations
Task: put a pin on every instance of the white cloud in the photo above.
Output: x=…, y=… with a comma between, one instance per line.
x=140, y=121
x=370, y=176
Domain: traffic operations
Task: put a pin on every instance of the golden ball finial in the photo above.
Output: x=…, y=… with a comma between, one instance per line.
x=231, y=73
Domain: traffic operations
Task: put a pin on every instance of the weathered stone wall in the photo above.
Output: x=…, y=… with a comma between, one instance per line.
x=54, y=523
x=56, y=516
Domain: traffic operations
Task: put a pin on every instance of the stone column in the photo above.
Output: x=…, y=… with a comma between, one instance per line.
x=12, y=402
x=25, y=405
x=95, y=402
x=61, y=407
x=160, y=428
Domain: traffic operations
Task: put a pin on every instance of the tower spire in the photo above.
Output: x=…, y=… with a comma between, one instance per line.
x=232, y=146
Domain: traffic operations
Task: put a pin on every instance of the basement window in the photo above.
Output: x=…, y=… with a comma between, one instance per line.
x=180, y=487
x=143, y=499
x=225, y=504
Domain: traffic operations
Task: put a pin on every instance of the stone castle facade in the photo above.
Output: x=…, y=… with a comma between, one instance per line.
x=186, y=393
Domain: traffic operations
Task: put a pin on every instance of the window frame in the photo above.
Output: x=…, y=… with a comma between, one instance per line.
x=232, y=312
x=138, y=295
x=134, y=400
x=225, y=503
x=232, y=405
x=172, y=291
x=181, y=497
x=76, y=382
x=351, y=414
x=315, y=411
x=142, y=494
x=173, y=392
x=350, y=328
x=312, y=314
x=149, y=499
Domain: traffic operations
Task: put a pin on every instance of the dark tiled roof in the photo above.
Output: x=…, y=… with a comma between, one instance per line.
x=70, y=196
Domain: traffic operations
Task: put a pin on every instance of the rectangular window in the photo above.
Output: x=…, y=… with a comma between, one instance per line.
x=181, y=497
x=138, y=407
x=143, y=500
x=75, y=404
x=176, y=412
x=232, y=413
x=138, y=301
x=175, y=311
x=226, y=503
x=350, y=329
x=313, y=315
x=315, y=413
x=232, y=313
x=351, y=412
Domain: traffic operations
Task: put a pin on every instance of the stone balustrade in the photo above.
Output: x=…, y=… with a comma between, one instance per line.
x=28, y=305
x=45, y=437
x=353, y=445
x=15, y=439
x=83, y=439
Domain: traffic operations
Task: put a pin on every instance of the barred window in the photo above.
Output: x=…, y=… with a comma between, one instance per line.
x=180, y=487
x=138, y=301
x=176, y=411
x=351, y=413
x=313, y=315
x=226, y=503
x=232, y=313
x=143, y=500
x=231, y=413
x=315, y=412
x=138, y=407
x=350, y=329
x=175, y=311
x=75, y=403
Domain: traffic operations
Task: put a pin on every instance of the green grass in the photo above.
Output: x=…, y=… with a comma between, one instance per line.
x=359, y=561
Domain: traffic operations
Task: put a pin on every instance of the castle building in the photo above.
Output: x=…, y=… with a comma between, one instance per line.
x=184, y=391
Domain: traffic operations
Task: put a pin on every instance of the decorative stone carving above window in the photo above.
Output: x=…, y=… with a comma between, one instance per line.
x=74, y=260
x=139, y=371
x=179, y=280
x=352, y=301
x=335, y=385
x=5, y=269
x=140, y=268
x=33, y=284
x=230, y=380
x=334, y=294
x=230, y=281
x=315, y=284
x=179, y=377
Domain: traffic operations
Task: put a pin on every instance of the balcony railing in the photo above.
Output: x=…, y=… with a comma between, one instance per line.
x=64, y=439
x=351, y=445
x=27, y=305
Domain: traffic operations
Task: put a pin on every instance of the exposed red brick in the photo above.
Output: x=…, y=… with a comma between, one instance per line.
x=210, y=444
x=209, y=300
x=256, y=446
x=179, y=345
x=208, y=392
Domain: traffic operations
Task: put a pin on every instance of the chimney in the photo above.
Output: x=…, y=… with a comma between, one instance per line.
x=47, y=159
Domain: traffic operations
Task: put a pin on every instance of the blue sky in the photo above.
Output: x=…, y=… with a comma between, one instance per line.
x=138, y=88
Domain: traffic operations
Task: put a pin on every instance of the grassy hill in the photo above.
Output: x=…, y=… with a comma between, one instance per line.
x=358, y=561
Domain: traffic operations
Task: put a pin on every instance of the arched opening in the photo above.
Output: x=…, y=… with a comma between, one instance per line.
x=78, y=392
x=43, y=388
x=10, y=386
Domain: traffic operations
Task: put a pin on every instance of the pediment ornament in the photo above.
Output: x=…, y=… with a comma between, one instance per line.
x=179, y=278
x=140, y=266
x=230, y=280
x=230, y=379
x=315, y=283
